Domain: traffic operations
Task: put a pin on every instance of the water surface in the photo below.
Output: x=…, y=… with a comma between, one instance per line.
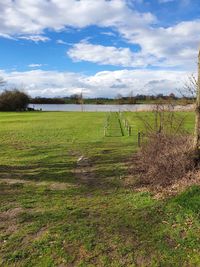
x=103, y=108
x=99, y=108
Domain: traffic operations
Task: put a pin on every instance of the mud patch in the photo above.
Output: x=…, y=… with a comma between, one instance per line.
x=13, y=181
x=8, y=221
x=60, y=186
x=84, y=171
x=10, y=214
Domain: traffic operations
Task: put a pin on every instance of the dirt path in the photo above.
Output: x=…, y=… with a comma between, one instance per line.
x=84, y=171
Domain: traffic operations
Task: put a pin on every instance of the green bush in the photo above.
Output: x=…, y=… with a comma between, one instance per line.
x=13, y=100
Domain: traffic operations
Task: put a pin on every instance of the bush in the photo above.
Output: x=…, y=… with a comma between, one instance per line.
x=13, y=100
x=165, y=158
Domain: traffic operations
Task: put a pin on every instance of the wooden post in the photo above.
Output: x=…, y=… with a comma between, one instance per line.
x=139, y=139
x=129, y=131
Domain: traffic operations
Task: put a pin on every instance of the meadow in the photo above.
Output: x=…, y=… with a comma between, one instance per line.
x=64, y=201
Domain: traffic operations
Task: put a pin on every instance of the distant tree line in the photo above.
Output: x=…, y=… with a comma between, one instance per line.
x=46, y=100
x=119, y=99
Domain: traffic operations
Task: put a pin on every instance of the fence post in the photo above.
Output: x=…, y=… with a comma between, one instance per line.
x=129, y=131
x=139, y=139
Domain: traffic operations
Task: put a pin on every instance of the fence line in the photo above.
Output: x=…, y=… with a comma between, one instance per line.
x=122, y=122
x=140, y=138
x=126, y=123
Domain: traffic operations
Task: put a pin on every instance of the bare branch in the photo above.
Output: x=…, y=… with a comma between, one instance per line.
x=190, y=88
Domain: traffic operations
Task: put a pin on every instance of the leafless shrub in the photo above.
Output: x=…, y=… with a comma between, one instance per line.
x=165, y=120
x=166, y=155
x=165, y=158
x=189, y=90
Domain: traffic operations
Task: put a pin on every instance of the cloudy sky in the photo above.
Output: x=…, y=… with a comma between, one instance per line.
x=100, y=47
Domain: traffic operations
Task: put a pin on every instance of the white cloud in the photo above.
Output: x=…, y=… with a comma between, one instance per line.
x=100, y=54
x=34, y=65
x=59, y=41
x=44, y=83
x=105, y=83
x=35, y=38
x=108, y=33
x=171, y=46
x=154, y=50
x=109, y=55
x=32, y=17
x=175, y=46
x=6, y=36
x=165, y=1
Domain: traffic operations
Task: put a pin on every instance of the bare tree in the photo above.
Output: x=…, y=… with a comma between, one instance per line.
x=119, y=99
x=188, y=92
x=131, y=98
x=192, y=88
x=197, y=119
x=163, y=119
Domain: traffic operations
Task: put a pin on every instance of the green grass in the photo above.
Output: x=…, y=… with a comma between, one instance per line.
x=135, y=119
x=80, y=214
x=45, y=146
x=114, y=126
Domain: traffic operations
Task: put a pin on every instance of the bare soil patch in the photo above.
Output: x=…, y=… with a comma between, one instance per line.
x=84, y=171
x=8, y=221
x=10, y=214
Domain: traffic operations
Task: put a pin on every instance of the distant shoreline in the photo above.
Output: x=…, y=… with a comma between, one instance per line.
x=106, y=107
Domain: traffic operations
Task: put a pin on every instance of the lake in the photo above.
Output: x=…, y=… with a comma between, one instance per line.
x=101, y=108
x=85, y=107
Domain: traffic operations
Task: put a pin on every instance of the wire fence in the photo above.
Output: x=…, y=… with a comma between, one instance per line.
x=117, y=125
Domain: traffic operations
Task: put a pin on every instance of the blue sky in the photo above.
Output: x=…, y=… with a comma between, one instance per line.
x=57, y=47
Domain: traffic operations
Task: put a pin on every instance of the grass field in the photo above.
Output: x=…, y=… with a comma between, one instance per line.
x=64, y=203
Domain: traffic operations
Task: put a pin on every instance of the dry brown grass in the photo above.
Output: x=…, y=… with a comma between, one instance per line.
x=165, y=159
x=191, y=178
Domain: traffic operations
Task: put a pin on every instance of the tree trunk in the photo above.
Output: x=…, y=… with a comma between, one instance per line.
x=197, y=119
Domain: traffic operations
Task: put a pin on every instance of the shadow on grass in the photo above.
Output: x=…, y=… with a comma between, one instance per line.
x=94, y=175
x=124, y=225
x=60, y=172
x=105, y=165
